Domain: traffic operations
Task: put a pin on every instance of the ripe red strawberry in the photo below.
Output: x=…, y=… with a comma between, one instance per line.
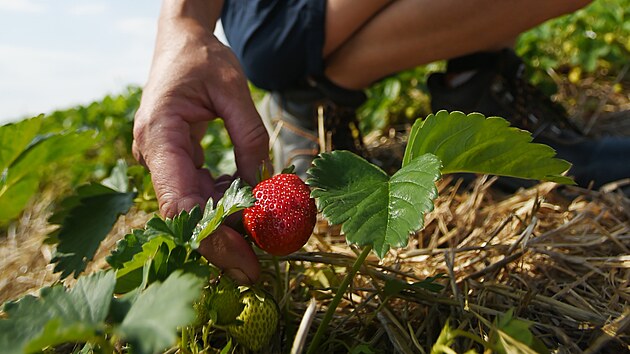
x=283, y=216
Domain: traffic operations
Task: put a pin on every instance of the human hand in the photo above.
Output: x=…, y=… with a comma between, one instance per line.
x=193, y=79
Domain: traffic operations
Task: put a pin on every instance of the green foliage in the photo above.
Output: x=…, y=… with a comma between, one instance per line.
x=85, y=313
x=382, y=212
x=58, y=316
x=474, y=143
x=512, y=335
x=151, y=263
x=394, y=287
x=217, y=146
x=156, y=251
x=16, y=138
x=374, y=209
x=112, y=119
x=26, y=156
x=152, y=321
x=397, y=100
x=594, y=38
x=234, y=199
x=166, y=245
x=509, y=335
x=85, y=219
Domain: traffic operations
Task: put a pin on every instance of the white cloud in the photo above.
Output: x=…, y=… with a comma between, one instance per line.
x=23, y=6
x=88, y=9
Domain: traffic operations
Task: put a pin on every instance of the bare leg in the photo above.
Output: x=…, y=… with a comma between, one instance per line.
x=399, y=35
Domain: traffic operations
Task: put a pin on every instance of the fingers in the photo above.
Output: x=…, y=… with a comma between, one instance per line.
x=245, y=128
x=179, y=185
x=165, y=147
x=229, y=251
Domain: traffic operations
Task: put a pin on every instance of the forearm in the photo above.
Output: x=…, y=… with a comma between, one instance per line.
x=204, y=13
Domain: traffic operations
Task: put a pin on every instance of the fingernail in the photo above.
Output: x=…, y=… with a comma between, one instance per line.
x=238, y=276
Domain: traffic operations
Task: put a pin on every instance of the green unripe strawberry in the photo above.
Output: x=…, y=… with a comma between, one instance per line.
x=257, y=322
x=219, y=303
x=224, y=304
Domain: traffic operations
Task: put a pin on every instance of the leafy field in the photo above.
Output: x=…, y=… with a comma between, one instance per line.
x=468, y=268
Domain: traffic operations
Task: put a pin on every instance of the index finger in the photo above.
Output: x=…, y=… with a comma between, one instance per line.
x=250, y=139
x=167, y=151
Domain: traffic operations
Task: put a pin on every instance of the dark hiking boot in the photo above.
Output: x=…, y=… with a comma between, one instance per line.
x=497, y=87
x=292, y=118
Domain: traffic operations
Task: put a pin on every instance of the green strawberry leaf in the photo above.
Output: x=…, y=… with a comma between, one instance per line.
x=58, y=316
x=14, y=194
x=127, y=248
x=118, y=179
x=373, y=208
x=476, y=144
x=158, y=258
x=162, y=246
x=512, y=335
x=86, y=218
x=25, y=157
x=151, y=323
x=15, y=138
x=180, y=228
x=14, y=198
x=393, y=287
x=153, y=253
x=430, y=284
x=235, y=199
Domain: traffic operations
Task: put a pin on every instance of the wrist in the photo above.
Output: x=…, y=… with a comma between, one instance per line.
x=204, y=13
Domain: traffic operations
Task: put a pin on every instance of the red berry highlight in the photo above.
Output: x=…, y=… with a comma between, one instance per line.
x=283, y=216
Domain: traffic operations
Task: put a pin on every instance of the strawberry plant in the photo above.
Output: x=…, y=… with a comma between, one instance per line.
x=379, y=212
x=158, y=267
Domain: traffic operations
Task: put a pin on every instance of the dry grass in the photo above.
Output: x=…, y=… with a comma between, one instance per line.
x=25, y=256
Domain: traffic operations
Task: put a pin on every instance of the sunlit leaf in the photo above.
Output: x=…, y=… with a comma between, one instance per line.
x=234, y=199
x=58, y=316
x=23, y=163
x=512, y=335
x=476, y=144
x=152, y=321
x=373, y=208
x=15, y=138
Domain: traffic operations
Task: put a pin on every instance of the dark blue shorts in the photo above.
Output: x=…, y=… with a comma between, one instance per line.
x=278, y=42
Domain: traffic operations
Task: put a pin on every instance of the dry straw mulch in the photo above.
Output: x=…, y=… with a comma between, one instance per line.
x=558, y=258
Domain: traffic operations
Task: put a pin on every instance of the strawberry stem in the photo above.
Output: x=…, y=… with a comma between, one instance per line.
x=337, y=298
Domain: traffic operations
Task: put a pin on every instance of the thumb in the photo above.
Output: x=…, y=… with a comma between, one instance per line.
x=228, y=250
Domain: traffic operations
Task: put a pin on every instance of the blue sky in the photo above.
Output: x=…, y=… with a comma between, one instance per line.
x=56, y=54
